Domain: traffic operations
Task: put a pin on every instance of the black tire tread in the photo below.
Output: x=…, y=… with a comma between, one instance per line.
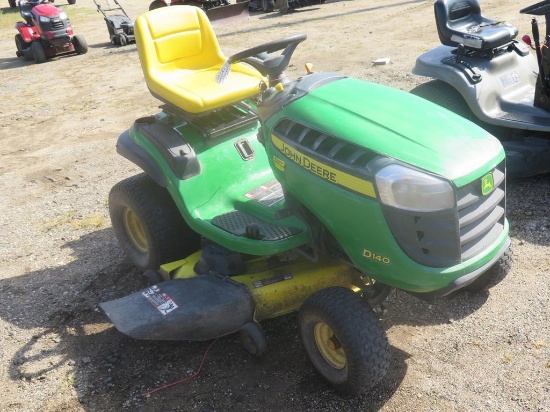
x=444, y=95
x=171, y=237
x=80, y=44
x=359, y=331
x=38, y=52
x=494, y=275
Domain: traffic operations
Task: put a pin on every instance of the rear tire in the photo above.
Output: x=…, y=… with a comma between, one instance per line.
x=494, y=275
x=446, y=96
x=21, y=47
x=13, y=3
x=344, y=339
x=80, y=44
x=71, y=1
x=156, y=5
x=122, y=39
x=148, y=225
x=38, y=52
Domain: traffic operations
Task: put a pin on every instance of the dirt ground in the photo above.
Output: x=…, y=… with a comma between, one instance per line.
x=59, y=122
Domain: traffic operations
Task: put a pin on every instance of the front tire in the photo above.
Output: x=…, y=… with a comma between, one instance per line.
x=344, y=339
x=71, y=1
x=80, y=44
x=494, y=275
x=38, y=52
x=148, y=225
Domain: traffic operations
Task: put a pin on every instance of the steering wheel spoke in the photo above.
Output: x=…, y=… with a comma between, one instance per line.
x=269, y=65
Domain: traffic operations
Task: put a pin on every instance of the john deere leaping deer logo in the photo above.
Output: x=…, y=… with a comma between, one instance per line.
x=487, y=184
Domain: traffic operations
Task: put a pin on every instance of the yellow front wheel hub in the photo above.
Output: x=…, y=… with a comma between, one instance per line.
x=135, y=230
x=329, y=346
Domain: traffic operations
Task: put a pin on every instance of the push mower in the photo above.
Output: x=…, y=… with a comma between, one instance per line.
x=120, y=26
x=484, y=74
x=263, y=195
x=46, y=32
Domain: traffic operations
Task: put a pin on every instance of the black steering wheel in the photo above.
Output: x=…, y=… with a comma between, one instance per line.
x=260, y=58
x=541, y=8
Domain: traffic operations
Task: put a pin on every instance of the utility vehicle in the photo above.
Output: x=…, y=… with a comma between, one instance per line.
x=484, y=74
x=46, y=32
x=263, y=195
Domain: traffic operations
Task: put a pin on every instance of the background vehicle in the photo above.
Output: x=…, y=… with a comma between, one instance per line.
x=46, y=32
x=219, y=12
x=262, y=196
x=13, y=3
x=119, y=24
x=484, y=74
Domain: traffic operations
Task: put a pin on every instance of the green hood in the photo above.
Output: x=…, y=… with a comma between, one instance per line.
x=403, y=126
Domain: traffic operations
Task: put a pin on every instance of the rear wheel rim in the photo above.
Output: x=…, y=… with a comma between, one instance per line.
x=329, y=346
x=135, y=230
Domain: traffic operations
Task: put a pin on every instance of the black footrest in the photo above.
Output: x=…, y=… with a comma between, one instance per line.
x=240, y=224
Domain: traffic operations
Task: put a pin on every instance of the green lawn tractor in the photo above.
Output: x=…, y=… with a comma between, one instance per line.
x=263, y=195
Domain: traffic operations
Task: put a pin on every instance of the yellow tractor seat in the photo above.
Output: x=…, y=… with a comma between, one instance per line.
x=180, y=58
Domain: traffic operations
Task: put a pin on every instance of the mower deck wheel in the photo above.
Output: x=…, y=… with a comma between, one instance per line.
x=148, y=225
x=253, y=338
x=122, y=39
x=344, y=339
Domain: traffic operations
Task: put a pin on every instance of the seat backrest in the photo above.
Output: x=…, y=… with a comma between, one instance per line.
x=176, y=37
x=452, y=15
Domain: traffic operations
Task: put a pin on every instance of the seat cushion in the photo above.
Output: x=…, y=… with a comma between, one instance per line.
x=196, y=91
x=461, y=22
x=484, y=36
x=180, y=57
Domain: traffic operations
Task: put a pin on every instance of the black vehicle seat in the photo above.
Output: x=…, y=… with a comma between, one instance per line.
x=461, y=22
x=25, y=9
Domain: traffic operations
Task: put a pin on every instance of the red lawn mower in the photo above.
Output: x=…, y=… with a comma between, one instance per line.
x=46, y=32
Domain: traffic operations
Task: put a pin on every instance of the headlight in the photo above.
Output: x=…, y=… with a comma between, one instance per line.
x=410, y=189
x=63, y=16
x=44, y=19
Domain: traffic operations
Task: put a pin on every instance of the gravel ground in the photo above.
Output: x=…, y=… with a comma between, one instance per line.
x=58, y=256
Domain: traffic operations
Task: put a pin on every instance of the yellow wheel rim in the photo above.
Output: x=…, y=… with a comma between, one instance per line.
x=329, y=345
x=135, y=231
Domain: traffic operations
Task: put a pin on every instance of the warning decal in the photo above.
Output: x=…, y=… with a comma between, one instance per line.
x=159, y=299
x=268, y=194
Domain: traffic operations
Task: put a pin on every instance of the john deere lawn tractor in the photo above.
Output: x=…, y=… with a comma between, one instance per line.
x=261, y=195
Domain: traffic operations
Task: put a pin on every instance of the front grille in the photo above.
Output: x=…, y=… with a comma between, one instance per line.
x=481, y=218
x=57, y=24
x=447, y=238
